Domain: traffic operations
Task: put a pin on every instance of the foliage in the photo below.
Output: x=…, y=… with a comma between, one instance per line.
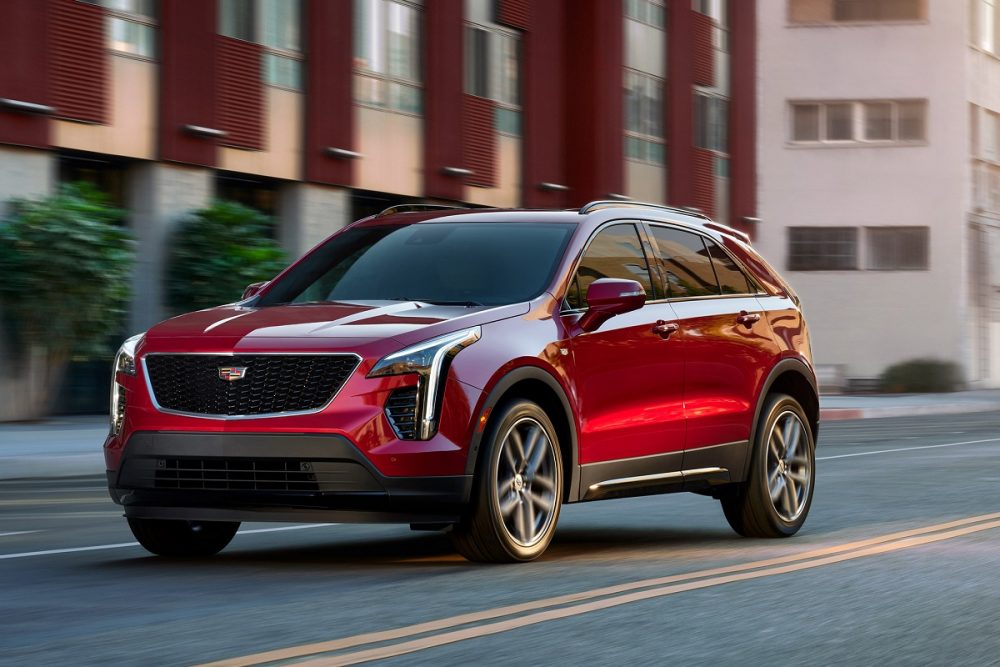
x=922, y=375
x=218, y=251
x=65, y=263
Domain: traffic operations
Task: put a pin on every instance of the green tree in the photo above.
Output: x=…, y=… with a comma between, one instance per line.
x=65, y=263
x=216, y=252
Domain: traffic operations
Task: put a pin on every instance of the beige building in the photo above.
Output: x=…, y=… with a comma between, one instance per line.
x=879, y=172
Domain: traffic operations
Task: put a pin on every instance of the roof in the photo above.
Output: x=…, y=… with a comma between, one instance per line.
x=596, y=211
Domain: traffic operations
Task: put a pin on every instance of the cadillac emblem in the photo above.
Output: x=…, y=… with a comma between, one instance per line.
x=232, y=373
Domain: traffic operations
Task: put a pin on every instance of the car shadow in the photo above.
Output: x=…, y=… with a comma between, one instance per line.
x=434, y=549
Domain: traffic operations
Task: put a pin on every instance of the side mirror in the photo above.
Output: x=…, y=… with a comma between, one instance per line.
x=608, y=297
x=254, y=289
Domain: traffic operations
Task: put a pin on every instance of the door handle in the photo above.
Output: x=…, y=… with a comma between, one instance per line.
x=663, y=329
x=747, y=319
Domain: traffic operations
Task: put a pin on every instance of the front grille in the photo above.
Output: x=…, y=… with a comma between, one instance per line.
x=235, y=474
x=271, y=384
x=401, y=409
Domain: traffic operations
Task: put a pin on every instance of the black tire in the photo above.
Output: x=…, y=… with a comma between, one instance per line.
x=748, y=506
x=483, y=534
x=183, y=539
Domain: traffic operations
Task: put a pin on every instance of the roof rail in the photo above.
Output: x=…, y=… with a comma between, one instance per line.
x=726, y=229
x=411, y=208
x=705, y=221
x=628, y=203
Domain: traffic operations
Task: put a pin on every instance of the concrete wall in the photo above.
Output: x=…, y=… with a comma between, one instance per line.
x=24, y=173
x=159, y=195
x=310, y=213
x=867, y=320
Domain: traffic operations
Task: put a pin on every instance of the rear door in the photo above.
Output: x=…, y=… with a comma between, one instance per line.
x=725, y=341
x=628, y=377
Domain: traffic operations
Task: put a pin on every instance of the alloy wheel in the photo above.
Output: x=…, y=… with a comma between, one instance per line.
x=526, y=482
x=789, y=466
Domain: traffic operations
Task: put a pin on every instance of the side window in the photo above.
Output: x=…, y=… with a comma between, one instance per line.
x=686, y=264
x=731, y=279
x=616, y=252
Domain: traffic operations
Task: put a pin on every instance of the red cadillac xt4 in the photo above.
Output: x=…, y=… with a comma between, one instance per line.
x=471, y=371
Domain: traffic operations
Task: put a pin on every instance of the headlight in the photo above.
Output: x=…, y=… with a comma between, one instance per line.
x=428, y=360
x=124, y=363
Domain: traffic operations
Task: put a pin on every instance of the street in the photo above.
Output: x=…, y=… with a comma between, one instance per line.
x=896, y=564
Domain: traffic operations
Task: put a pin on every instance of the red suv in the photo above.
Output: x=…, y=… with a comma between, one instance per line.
x=471, y=371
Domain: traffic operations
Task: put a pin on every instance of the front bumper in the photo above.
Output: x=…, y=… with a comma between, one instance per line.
x=273, y=477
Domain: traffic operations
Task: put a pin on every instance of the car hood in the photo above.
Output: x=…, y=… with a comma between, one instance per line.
x=407, y=321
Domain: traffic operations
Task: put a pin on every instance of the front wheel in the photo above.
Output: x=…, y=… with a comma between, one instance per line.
x=518, y=490
x=775, y=498
x=183, y=539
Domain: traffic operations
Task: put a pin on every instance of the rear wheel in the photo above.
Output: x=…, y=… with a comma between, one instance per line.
x=518, y=490
x=183, y=539
x=775, y=498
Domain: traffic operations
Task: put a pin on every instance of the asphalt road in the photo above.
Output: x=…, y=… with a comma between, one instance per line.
x=897, y=564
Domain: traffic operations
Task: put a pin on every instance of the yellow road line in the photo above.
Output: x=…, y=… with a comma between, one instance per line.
x=490, y=614
x=433, y=641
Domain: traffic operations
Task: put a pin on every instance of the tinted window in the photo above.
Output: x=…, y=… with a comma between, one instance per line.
x=615, y=252
x=458, y=263
x=731, y=279
x=687, y=267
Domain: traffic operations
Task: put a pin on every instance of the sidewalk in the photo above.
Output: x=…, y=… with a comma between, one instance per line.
x=836, y=407
x=69, y=446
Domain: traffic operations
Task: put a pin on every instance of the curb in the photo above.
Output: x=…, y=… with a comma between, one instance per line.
x=56, y=465
x=840, y=414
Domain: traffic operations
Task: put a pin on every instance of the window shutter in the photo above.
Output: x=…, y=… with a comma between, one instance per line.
x=513, y=13
x=704, y=53
x=240, y=93
x=480, y=141
x=704, y=181
x=79, y=61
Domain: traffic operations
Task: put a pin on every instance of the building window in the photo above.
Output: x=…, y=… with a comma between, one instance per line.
x=387, y=55
x=236, y=19
x=711, y=122
x=897, y=248
x=275, y=25
x=131, y=26
x=859, y=122
x=492, y=68
x=856, y=11
x=647, y=11
x=822, y=248
x=644, y=117
x=280, y=26
x=716, y=9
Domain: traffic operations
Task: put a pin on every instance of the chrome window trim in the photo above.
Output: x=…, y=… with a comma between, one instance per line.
x=747, y=274
x=640, y=231
x=266, y=415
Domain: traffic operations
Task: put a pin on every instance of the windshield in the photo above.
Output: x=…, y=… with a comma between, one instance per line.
x=451, y=263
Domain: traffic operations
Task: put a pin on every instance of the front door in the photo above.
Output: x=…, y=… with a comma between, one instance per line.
x=629, y=377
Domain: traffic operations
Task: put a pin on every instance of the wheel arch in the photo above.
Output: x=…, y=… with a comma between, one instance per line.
x=793, y=377
x=537, y=385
